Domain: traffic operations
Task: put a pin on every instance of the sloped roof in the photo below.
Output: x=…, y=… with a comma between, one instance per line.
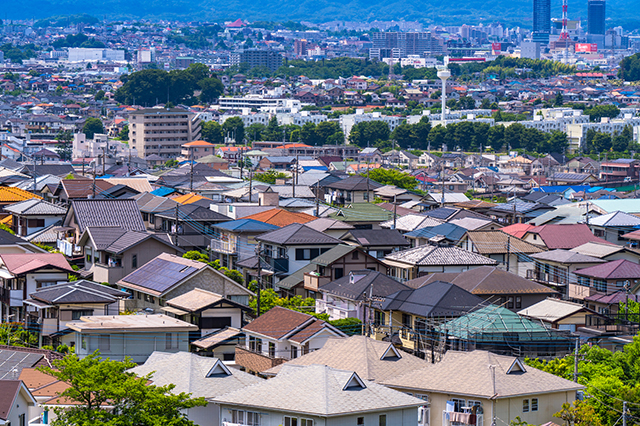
x=14, y=195
x=193, y=212
x=436, y=299
x=448, y=230
x=436, y=255
x=518, y=230
x=359, y=284
x=354, y=183
x=377, y=237
x=114, y=239
x=190, y=198
x=372, y=359
x=565, y=236
x=35, y=206
x=618, y=269
x=280, y=217
x=81, y=291
x=83, y=187
x=566, y=256
x=615, y=219
x=197, y=299
x=411, y=222
x=361, y=212
x=552, y=310
x=467, y=373
x=246, y=225
x=331, y=394
x=26, y=262
x=324, y=223
x=297, y=234
x=280, y=322
x=107, y=212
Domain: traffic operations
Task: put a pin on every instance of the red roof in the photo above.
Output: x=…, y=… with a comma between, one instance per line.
x=617, y=269
x=236, y=24
x=278, y=322
x=567, y=236
x=517, y=229
x=22, y=263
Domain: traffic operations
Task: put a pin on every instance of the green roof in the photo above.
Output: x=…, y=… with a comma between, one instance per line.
x=362, y=212
x=493, y=322
x=296, y=278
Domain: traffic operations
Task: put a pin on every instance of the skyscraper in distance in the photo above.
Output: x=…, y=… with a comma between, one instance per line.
x=541, y=20
x=596, y=17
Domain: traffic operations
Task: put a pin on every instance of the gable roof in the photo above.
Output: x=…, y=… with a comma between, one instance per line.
x=81, y=291
x=35, y=206
x=618, y=269
x=517, y=230
x=566, y=256
x=372, y=359
x=109, y=212
x=361, y=212
x=436, y=299
x=114, y=239
x=437, y=255
x=376, y=237
x=354, y=183
x=552, y=310
x=468, y=373
x=297, y=234
x=566, y=236
x=497, y=241
x=359, y=284
x=198, y=299
x=246, y=225
x=280, y=323
x=335, y=393
x=12, y=195
x=200, y=376
x=324, y=223
x=411, y=222
x=599, y=250
x=281, y=217
x=22, y=263
x=9, y=390
x=82, y=187
x=193, y=212
x=615, y=219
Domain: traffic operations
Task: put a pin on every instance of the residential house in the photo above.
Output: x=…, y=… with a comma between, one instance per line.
x=608, y=252
x=610, y=277
x=475, y=387
x=99, y=213
x=196, y=150
x=556, y=268
x=288, y=249
x=326, y=267
x=609, y=304
x=135, y=336
x=402, y=159
x=332, y=227
x=10, y=195
x=372, y=359
x=512, y=253
x=198, y=376
x=494, y=285
x=376, y=242
x=236, y=240
x=168, y=276
x=613, y=226
x=79, y=187
x=351, y=296
x=209, y=311
x=443, y=234
x=111, y=252
x=411, y=222
x=354, y=189
x=149, y=204
x=279, y=335
x=22, y=274
x=572, y=178
x=409, y=315
x=428, y=259
x=10, y=243
x=16, y=403
x=362, y=215
x=391, y=193
x=191, y=225
x=370, y=155
x=277, y=163
x=558, y=314
x=49, y=309
x=561, y=236
x=344, y=399
x=219, y=344
x=582, y=165
x=280, y=217
x=33, y=215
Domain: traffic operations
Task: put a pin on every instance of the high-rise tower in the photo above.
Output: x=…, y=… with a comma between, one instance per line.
x=541, y=20
x=596, y=18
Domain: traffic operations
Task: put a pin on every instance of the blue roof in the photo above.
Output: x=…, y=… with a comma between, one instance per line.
x=246, y=225
x=163, y=191
x=448, y=230
x=562, y=188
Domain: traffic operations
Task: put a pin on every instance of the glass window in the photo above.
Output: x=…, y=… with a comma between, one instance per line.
x=134, y=261
x=360, y=421
x=104, y=343
x=382, y=420
x=169, y=341
x=534, y=404
x=525, y=405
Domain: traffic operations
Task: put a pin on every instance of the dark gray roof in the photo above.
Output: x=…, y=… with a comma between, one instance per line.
x=123, y=213
x=354, y=183
x=48, y=169
x=436, y=299
x=359, y=284
x=114, y=239
x=82, y=291
x=193, y=212
x=297, y=234
x=377, y=237
x=441, y=213
x=159, y=274
x=7, y=238
x=11, y=360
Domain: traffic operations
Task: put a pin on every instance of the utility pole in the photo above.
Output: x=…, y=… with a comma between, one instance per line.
x=104, y=158
x=442, y=203
x=575, y=363
x=368, y=196
x=318, y=199
x=259, y=250
x=394, y=211
x=94, y=179
x=250, y=185
x=508, y=251
x=175, y=230
x=295, y=174
x=624, y=413
x=191, y=173
x=34, y=175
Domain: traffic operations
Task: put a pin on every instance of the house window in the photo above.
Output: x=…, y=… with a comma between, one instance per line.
x=22, y=420
x=134, y=261
x=382, y=420
x=458, y=404
x=294, y=352
x=379, y=318
x=509, y=302
x=518, y=302
x=360, y=421
x=600, y=285
x=585, y=281
x=272, y=349
x=534, y=404
x=83, y=342
x=306, y=254
x=169, y=341
x=75, y=315
x=354, y=255
x=104, y=343
x=35, y=223
x=338, y=273
x=247, y=418
x=525, y=405
x=406, y=320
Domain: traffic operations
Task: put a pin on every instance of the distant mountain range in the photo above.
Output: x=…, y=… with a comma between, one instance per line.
x=509, y=12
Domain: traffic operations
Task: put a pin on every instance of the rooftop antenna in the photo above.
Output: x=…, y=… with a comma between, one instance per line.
x=443, y=75
x=564, y=34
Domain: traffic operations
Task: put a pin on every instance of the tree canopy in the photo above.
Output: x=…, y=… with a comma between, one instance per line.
x=392, y=177
x=630, y=68
x=103, y=392
x=92, y=126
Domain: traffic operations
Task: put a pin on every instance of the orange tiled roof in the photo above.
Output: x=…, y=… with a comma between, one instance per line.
x=13, y=195
x=280, y=217
x=198, y=143
x=190, y=198
x=7, y=220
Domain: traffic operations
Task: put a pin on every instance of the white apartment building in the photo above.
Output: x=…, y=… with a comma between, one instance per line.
x=100, y=144
x=348, y=121
x=577, y=133
x=162, y=131
x=259, y=102
x=300, y=118
x=81, y=54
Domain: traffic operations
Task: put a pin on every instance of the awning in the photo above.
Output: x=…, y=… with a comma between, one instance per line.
x=174, y=311
x=37, y=304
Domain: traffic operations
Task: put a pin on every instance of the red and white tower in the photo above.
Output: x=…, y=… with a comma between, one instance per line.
x=564, y=35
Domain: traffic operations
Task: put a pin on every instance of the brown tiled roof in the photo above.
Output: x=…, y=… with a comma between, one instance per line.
x=8, y=391
x=496, y=241
x=566, y=236
x=34, y=379
x=278, y=322
x=280, y=217
x=82, y=188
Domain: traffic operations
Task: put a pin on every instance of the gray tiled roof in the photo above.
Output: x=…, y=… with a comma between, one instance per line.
x=297, y=234
x=360, y=284
x=435, y=255
x=123, y=213
x=35, y=206
x=82, y=291
x=318, y=390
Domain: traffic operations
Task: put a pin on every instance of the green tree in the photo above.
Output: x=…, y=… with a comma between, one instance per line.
x=393, y=177
x=369, y=133
x=597, y=112
x=92, y=126
x=559, y=100
x=309, y=135
x=233, y=128
x=99, y=95
x=123, y=135
x=404, y=136
x=64, y=146
x=212, y=132
x=96, y=383
x=630, y=68
x=211, y=89
x=255, y=132
x=15, y=334
x=578, y=414
x=329, y=132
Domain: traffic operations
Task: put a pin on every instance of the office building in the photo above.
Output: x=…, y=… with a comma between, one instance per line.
x=183, y=62
x=541, y=20
x=400, y=45
x=81, y=54
x=596, y=12
x=162, y=131
x=257, y=58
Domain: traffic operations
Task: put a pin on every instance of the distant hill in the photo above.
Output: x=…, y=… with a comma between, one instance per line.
x=509, y=12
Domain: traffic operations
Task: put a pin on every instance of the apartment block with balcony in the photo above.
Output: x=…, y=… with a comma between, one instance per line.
x=162, y=131
x=236, y=240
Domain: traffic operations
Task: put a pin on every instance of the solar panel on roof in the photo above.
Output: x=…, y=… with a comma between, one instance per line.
x=12, y=363
x=160, y=274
